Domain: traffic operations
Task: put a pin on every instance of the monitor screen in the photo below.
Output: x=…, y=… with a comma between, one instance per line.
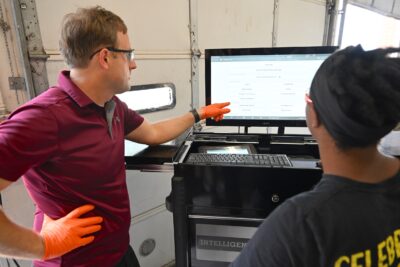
x=231, y=149
x=266, y=86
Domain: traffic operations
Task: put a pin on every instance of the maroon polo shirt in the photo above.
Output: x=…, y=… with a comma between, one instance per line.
x=70, y=155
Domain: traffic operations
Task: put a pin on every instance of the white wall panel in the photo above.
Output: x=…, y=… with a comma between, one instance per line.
x=152, y=24
x=158, y=24
x=384, y=5
x=300, y=23
x=365, y=2
x=232, y=24
x=19, y=207
x=147, y=190
x=396, y=8
x=158, y=227
x=235, y=23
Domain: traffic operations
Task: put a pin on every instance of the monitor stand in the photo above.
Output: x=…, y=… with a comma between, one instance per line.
x=281, y=130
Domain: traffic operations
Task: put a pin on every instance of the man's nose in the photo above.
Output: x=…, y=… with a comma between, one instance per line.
x=132, y=65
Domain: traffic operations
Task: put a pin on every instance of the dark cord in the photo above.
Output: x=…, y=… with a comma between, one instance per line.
x=16, y=263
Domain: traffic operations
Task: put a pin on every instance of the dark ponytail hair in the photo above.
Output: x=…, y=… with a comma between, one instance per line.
x=357, y=95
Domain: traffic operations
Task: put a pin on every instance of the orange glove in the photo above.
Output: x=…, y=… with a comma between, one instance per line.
x=69, y=232
x=215, y=111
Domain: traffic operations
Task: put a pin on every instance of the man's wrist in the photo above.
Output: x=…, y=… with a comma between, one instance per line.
x=195, y=115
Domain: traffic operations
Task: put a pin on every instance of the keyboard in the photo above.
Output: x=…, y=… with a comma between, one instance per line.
x=260, y=160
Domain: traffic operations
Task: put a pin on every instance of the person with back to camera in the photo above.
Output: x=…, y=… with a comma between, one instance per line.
x=352, y=216
x=68, y=144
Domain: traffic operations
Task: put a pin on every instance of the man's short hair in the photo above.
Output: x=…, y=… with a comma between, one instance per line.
x=85, y=31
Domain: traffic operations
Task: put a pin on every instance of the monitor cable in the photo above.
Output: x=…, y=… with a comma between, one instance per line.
x=16, y=263
x=12, y=260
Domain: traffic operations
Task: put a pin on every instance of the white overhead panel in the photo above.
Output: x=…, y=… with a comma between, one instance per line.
x=396, y=9
x=152, y=24
x=385, y=7
x=300, y=22
x=364, y=2
x=235, y=23
x=157, y=25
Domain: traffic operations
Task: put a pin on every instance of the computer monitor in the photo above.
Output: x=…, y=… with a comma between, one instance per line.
x=266, y=86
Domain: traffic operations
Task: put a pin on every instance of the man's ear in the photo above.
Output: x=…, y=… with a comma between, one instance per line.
x=103, y=59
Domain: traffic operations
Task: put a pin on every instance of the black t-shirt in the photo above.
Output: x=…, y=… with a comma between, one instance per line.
x=340, y=223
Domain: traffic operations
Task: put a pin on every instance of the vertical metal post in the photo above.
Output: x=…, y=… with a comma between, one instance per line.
x=342, y=22
x=22, y=45
x=195, y=53
x=275, y=23
x=30, y=46
x=334, y=9
x=5, y=27
x=330, y=18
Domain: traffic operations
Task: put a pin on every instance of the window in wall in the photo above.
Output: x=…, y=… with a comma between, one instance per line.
x=368, y=28
x=150, y=97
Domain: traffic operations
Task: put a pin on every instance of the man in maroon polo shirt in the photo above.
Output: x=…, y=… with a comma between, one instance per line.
x=68, y=145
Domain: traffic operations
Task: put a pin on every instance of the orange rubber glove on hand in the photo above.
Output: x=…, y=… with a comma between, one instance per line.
x=69, y=232
x=215, y=111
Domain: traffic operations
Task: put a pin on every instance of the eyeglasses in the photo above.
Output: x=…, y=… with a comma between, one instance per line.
x=130, y=54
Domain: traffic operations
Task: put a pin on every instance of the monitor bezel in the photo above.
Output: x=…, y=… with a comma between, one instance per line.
x=257, y=51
